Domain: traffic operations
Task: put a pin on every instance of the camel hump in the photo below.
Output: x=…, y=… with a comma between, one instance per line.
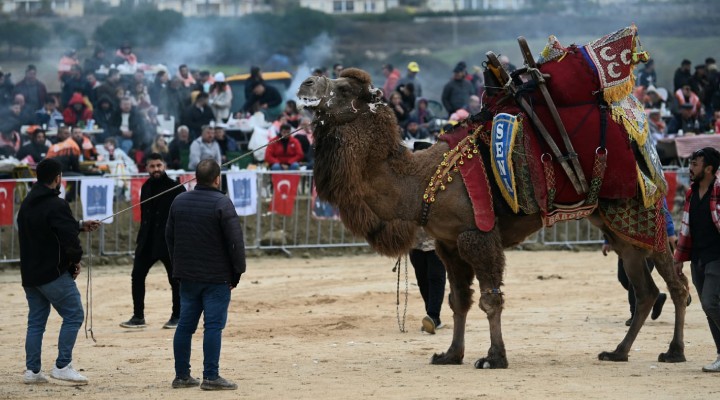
x=357, y=74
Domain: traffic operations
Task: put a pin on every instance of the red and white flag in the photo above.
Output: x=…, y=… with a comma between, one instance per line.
x=7, y=197
x=671, y=179
x=284, y=192
x=188, y=180
x=135, y=190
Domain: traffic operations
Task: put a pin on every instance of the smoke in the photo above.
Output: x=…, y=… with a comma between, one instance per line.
x=193, y=45
x=315, y=55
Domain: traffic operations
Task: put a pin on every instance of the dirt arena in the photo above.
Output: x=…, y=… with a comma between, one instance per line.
x=327, y=328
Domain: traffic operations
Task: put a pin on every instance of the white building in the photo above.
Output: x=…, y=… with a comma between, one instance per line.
x=65, y=8
x=223, y=8
x=350, y=6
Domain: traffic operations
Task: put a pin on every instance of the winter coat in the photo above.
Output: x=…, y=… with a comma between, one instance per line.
x=32, y=91
x=205, y=238
x=71, y=116
x=220, y=103
x=48, y=235
x=154, y=216
x=200, y=150
x=284, y=153
x=195, y=118
x=456, y=94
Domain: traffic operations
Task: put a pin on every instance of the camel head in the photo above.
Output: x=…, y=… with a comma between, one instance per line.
x=342, y=100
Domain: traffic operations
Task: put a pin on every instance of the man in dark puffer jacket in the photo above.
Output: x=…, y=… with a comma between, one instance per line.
x=207, y=249
x=50, y=255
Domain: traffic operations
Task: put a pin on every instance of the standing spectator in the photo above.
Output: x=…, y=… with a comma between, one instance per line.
x=97, y=61
x=198, y=115
x=699, y=83
x=124, y=55
x=255, y=77
x=205, y=147
x=49, y=116
x=682, y=75
x=392, y=77
x=158, y=92
x=130, y=126
x=67, y=61
x=699, y=240
x=225, y=142
x=87, y=148
x=73, y=82
x=151, y=244
x=203, y=82
x=180, y=144
x=220, y=98
x=685, y=95
x=91, y=86
x=76, y=111
x=411, y=77
x=264, y=98
x=305, y=137
x=286, y=153
x=407, y=94
x=206, y=245
x=141, y=100
x=6, y=89
x=647, y=76
x=184, y=74
x=26, y=114
x=110, y=87
x=178, y=99
x=36, y=150
x=50, y=254
x=401, y=112
x=456, y=93
x=32, y=89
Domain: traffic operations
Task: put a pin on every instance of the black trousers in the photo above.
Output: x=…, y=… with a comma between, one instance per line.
x=625, y=282
x=430, y=274
x=143, y=262
x=706, y=278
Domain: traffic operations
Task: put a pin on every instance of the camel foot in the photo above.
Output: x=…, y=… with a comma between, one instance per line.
x=491, y=363
x=446, y=359
x=612, y=356
x=671, y=357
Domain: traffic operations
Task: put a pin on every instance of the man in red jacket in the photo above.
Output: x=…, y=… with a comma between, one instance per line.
x=76, y=111
x=286, y=153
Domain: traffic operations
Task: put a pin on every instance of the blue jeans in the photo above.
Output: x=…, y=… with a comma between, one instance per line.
x=197, y=298
x=124, y=144
x=63, y=295
x=291, y=167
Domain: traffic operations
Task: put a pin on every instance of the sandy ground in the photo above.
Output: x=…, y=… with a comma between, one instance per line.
x=328, y=329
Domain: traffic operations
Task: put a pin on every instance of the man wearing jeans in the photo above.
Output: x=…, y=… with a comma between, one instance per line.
x=699, y=240
x=206, y=246
x=50, y=255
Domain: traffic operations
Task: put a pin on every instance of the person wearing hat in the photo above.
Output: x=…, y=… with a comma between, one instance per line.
x=220, y=98
x=653, y=98
x=411, y=77
x=456, y=93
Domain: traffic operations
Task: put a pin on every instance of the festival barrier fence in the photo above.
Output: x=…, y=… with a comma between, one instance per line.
x=278, y=210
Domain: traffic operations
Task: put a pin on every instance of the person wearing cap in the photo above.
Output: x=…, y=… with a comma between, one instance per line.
x=653, y=98
x=682, y=75
x=687, y=121
x=456, y=93
x=411, y=77
x=32, y=89
x=220, y=98
x=392, y=77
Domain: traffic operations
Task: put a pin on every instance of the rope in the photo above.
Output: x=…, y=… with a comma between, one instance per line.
x=88, y=295
x=401, y=323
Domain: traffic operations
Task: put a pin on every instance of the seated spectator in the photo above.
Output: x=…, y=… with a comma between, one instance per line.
x=110, y=87
x=178, y=99
x=654, y=98
x=305, y=136
x=64, y=147
x=73, y=82
x=34, y=92
x=179, y=144
x=407, y=94
x=401, y=112
x=255, y=77
x=474, y=105
x=225, y=142
x=6, y=90
x=205, y=147
x=687, y=121
x=286, y=153
x=26, y=115
x=291, y=113
x=104, y=115
x=685, y=95
x=130, y=126
x=68, y=60
x=158, y=92
x=87, y=148
x=77, y=111
x=35, y=151
x=264, y=98
x=63, y=133
x=10, y=143
x=220, y=98
x=185, y=76
x=413, y=131
x=657, y=126
x=422, y=113
x=109, y=153
x=97, y=62
x=198, y=115
x=48, y=116
x=160, y=146
x=124, y=55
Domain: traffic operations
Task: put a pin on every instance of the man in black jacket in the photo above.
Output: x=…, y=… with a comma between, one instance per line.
x=151, y=245
x=206, y=246
x=50, y=255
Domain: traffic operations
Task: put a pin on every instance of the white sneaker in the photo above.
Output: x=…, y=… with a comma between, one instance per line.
x=714, y=367
x=31, y=377
x=68, y=374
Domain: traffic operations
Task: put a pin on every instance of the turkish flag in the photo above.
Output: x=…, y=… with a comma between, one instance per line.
x=189, y=181
x=671, y=178
x=135, y=190
x=7, y=196
x=284, y=192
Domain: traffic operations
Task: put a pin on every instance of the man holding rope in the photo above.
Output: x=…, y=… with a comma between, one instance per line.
x=151, y=245
x=50, y=254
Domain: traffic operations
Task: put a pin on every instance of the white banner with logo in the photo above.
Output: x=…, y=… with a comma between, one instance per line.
x=242, y=190
x=96, y=196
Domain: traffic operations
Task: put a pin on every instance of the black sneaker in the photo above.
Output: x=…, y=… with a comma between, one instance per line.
x=218, y=384
x=134, y=323
x=172, y=323
x=658, y=306
x=187, y=382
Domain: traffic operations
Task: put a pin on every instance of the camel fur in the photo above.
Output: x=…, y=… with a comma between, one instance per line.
x=363, y=168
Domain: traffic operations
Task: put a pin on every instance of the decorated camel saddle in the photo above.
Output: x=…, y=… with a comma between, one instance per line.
x=565, y=131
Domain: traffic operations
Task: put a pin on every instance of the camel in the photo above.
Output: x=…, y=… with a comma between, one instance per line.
x=363, y=168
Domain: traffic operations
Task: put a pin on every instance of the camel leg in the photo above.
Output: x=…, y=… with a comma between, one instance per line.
x=484, y=252
x=678, y=288
x=460, y=276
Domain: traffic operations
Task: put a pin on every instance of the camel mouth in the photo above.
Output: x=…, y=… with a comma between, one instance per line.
x=309, y=102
